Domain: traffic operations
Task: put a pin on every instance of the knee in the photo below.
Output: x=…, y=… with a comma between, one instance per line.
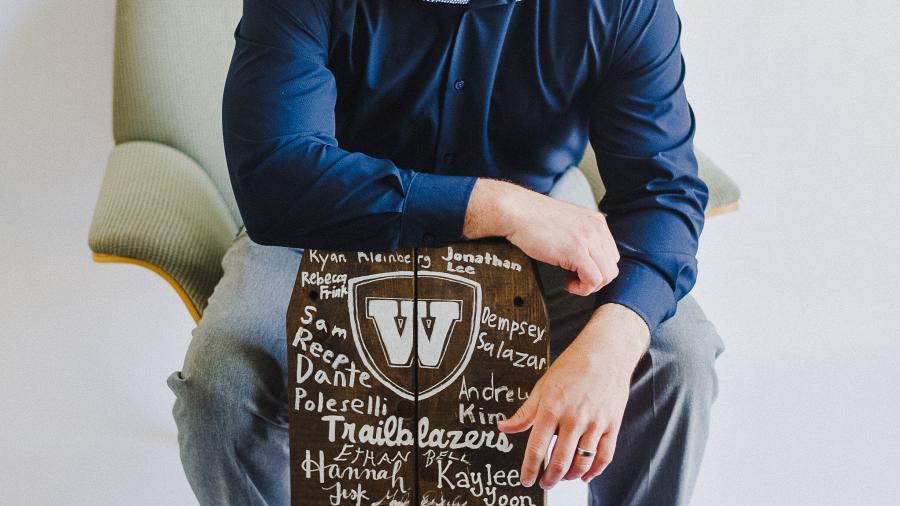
x=228, y=380
x=684, y=351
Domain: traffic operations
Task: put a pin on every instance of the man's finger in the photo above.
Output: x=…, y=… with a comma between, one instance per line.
x=589, y=277
x=581, y=464
x=522, y=418
x=608, y=267
x=605, y=451
x=563, y=452
x=536, y=450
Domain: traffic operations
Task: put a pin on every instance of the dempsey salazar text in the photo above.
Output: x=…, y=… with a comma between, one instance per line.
x=512, y=327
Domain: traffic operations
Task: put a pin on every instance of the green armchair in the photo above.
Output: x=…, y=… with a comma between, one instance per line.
x=166, y=201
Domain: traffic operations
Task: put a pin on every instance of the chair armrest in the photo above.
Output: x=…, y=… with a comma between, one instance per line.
x=157, y=208
x=723, y=191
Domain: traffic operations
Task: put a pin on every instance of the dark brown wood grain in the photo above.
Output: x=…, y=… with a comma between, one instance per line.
x=433, y=346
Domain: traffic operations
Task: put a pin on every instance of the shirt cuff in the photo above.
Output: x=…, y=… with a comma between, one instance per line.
x=641, y=289
x=435, y=209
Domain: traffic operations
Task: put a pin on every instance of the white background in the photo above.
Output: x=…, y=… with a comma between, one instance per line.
x=797, y=99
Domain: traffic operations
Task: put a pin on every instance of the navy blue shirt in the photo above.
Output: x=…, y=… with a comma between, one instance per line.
x=363, y=124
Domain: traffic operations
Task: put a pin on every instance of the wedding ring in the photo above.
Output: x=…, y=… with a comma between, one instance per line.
x=581, y=452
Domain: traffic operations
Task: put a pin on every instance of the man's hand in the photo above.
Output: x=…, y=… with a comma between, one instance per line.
x=582, y=397
x=550, y=230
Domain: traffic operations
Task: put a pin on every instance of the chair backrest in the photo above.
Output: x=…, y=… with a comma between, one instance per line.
x=171, y=60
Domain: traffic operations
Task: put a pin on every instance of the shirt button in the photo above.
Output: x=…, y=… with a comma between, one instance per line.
x=459, y=84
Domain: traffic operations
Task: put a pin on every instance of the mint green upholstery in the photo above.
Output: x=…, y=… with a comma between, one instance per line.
x=159, y=206
x=170, y=65
x=166, y=198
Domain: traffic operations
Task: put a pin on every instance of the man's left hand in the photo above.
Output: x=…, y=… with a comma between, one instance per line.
x=581, y=397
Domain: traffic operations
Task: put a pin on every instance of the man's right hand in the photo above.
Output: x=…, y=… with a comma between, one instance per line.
x=546, y=229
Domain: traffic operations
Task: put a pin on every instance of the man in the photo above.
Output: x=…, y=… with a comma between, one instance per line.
x=381, y=124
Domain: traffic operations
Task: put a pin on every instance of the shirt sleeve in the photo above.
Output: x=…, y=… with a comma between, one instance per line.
x=293, y=184
x=641, y=128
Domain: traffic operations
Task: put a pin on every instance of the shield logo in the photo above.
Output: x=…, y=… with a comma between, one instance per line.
x=444, y=320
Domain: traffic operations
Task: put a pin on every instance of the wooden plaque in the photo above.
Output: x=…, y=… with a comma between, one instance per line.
x=400, y=365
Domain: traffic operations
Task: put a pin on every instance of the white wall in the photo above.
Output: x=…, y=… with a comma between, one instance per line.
x=797, y=100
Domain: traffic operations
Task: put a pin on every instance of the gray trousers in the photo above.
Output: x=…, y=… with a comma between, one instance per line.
x=231, y=405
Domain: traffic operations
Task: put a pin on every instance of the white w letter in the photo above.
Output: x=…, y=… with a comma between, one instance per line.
x=388, y=320
x=442, y=314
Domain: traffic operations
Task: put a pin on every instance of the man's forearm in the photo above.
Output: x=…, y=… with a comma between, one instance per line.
x=546, y=229
x=490, y=208
x=629, y=329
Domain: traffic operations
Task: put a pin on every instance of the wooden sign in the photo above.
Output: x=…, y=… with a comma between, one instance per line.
x=400, y=365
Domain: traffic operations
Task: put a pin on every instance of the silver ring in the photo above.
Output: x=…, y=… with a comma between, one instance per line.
x=581, y=452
